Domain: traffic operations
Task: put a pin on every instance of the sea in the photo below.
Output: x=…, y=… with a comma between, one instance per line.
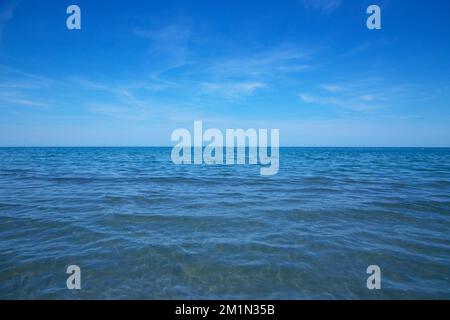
x=139, y=226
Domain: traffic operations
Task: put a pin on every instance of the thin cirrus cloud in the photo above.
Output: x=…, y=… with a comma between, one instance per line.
x=120, y=112
x=359, y=95
x=228, y=75
x=19, y=99
x=332, y=87
x=117, y=90
x=172, y=42
x=232, y=90
x=168, y=43
x=22, y=88
x=244, y=75
x=14, y=78
x=123, y=103
x=353, y=103
x=267, y=62
x=6, y=14
x=323, y=6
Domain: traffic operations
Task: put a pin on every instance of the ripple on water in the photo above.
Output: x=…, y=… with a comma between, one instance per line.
x=141, y=227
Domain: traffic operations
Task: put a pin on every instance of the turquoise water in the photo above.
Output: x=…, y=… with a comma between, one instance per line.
x=141, y=227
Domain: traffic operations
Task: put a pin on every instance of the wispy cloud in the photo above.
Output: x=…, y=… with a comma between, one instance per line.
x=230, y=73
x=245, y=74
x=117, y=90
x=232, y=90
x=332, y=87
x=323, y=6
x=362, y=95
x=121, y=102
x=366, y=46
x=22, y=88
x=167, y=43
x=121, y=112
x=263, y=63
x=14, y=78
x=20, y=98
x=6, y=14
x=25, y=102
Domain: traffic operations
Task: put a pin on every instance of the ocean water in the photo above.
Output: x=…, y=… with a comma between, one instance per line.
x=141, y=227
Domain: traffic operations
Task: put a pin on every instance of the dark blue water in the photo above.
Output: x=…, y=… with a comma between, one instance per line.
x=141, y=227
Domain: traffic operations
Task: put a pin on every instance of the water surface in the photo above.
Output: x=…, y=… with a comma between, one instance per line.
x=141, y=227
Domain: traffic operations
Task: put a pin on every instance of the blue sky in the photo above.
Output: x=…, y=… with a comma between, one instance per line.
x=140, y=69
